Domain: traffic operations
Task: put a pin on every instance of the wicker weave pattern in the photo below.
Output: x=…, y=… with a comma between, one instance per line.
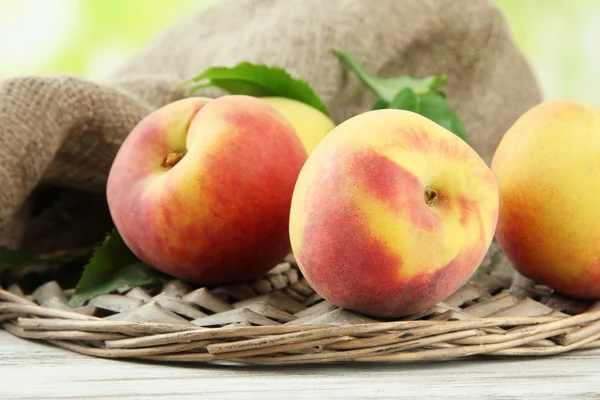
x=281, y=320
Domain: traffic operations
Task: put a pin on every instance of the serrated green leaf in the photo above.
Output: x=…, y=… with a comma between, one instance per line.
x=406, y=99
x=433, y=106
x=422, y=96
x=258, y=81
x=238, y=87
x=111, y=267
x=387, y=88
x=380, y=105
x=458, y=128
x=137, y=274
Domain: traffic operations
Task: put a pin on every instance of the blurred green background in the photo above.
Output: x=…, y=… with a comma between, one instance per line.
x=90, y=37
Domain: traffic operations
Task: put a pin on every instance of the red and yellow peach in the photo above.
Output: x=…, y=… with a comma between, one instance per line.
x=391, y=214
x=201, y=188
x=310, y=124
x=547, y=167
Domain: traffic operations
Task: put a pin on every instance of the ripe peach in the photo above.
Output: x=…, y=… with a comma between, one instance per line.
x=391, y=214
x=547, y=167
x=310, y=124
x=201, y=189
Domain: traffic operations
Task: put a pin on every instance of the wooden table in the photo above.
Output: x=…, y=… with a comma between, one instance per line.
x=30, y=370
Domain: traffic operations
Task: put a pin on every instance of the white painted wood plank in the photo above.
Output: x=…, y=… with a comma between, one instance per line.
x=30, y=370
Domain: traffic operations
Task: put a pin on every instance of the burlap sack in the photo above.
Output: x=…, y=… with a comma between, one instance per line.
x=64, y=131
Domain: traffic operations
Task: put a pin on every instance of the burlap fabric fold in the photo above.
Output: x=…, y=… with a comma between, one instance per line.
x=59, y=134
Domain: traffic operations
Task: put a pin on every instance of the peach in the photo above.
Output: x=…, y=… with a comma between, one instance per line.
x=201, y=188
x=547, y=167
x=310, y=124
x=391, y=214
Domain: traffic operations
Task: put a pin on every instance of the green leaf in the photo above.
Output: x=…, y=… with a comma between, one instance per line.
x=387, y=88
x=380, y=105
x=406, y=99
x=258, y=81
x=111, y=267
x=422, y=96
x=458, y=128
x=433, y=106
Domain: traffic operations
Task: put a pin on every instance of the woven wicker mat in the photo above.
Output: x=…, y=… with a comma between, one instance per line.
x=280, y=320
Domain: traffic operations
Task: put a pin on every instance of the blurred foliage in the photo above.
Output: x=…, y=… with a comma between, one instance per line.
x=91, y=37
x=84, y=37
x=560, y=40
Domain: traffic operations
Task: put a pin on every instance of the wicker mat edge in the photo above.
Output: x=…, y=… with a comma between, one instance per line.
x=279, y=320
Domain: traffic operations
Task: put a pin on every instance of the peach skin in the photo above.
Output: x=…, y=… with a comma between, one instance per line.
x=201, y=188
x=391, y=214
x=310, y=124
x=547, y=167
